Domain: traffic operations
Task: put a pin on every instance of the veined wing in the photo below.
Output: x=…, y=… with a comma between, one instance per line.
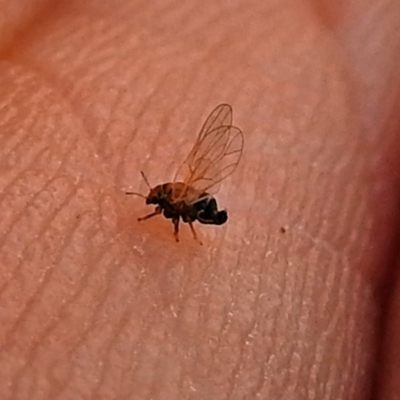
x=214, y=156
x=220, y=116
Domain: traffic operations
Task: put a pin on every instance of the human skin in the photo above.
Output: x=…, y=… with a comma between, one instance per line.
x=295, y=297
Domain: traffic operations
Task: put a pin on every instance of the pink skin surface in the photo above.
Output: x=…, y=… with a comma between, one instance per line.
x=295, y=297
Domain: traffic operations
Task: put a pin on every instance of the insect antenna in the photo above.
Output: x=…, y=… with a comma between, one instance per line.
x=145, y=179
x=147, y=183
x=136, y=194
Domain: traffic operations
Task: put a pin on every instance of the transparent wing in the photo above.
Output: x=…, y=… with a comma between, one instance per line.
x=216, y=159
x=214, y=156
x=221, y=115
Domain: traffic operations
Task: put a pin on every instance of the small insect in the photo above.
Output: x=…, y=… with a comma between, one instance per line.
x=214, y=156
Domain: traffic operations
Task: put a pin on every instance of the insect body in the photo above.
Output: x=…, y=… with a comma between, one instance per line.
x=214, y=156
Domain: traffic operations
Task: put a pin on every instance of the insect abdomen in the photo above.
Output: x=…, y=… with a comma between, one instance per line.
x=208, y=213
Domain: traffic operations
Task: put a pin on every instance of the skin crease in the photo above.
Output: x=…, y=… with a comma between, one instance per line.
x=95, y=305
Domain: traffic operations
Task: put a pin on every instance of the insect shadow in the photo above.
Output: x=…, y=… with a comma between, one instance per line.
x=214, y=156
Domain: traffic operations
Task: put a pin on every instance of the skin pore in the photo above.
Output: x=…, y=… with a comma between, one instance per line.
x=295, y=297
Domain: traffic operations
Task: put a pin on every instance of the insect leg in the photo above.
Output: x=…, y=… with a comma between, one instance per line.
x=176, y=228
x=194, y=233
x=153, y=214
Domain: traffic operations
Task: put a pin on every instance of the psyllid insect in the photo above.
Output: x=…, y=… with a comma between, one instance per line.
x=214, y=156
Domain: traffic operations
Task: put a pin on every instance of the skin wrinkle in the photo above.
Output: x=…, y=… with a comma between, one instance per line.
x=17, y=146
x=49, y=122
x=18, y=177
x=156, y=141
x=231, y=238
x=134, y=364
x=90, y=326
x=67, y=152
x=33, y=352
x=102, y=144
x=40, y=234
x=63, y=313
x=52, y=327
x=30, y=303
x=86, y=331
x=106, y=365
x=237, y=364
x=120, y=168
x=165, y=122
x=29, y=203
x=387, y=377
x=386, y=372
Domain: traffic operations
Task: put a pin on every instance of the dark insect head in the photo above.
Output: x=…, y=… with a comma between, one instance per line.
x=156, y=195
